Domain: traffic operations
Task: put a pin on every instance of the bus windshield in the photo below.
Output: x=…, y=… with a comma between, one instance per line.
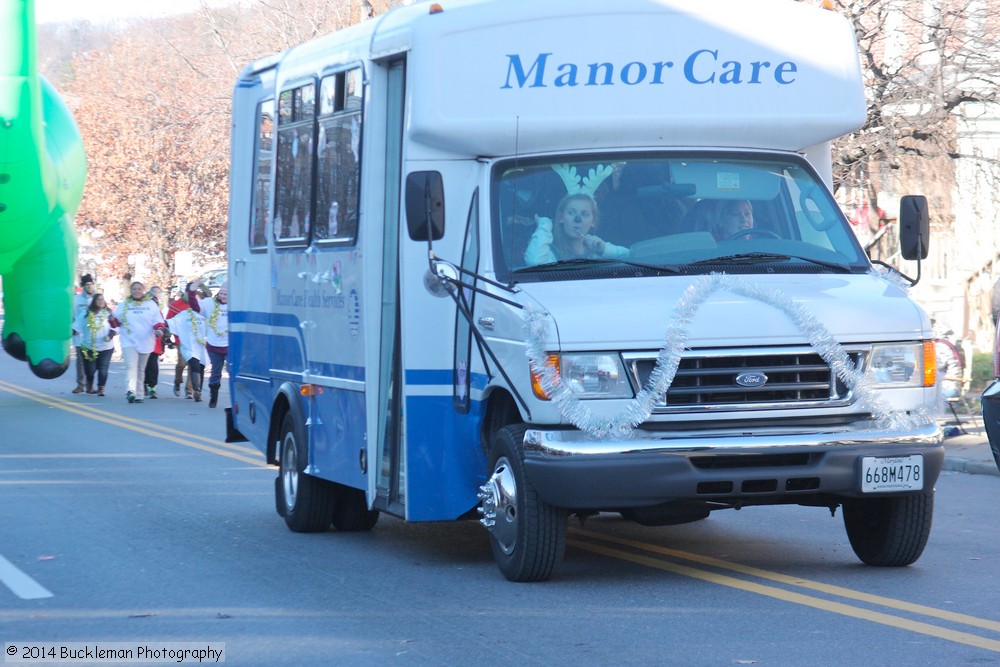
x=699, y=212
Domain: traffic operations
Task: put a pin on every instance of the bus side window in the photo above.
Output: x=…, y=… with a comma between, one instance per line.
x=262, y=176
x=339, y=157
x=293, y=198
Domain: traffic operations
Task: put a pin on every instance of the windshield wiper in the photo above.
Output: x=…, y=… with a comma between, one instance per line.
x=761, y=257
x=579, y=262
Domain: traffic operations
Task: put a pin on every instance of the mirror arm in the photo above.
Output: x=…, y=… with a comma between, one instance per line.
x=912, y=281
x=455, y=282
x=481, y=342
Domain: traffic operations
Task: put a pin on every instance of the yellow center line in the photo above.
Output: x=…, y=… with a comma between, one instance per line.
x=796, y=598
x=214, y=446
x=88, y=410
x=217, y=447
x=799, y=582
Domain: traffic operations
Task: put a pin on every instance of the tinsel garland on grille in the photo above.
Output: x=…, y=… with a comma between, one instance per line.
x=639, y=409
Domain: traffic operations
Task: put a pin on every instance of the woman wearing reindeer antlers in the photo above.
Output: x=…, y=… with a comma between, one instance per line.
x=568, y=236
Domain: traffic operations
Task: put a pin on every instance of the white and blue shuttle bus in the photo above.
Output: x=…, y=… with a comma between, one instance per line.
x=521, y=261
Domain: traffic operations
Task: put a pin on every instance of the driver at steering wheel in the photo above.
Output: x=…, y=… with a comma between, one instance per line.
x=734, y=215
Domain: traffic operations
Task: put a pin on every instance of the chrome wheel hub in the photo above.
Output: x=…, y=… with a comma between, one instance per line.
x=499, y=505
x=289, y=472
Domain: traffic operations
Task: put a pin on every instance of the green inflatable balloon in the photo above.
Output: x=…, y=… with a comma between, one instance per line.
x=42, y=171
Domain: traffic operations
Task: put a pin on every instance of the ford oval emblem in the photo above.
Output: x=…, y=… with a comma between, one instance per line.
x=751, y=379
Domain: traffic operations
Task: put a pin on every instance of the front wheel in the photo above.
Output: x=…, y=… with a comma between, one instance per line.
x=306, y=502
x=527, y=536
x=890, y=531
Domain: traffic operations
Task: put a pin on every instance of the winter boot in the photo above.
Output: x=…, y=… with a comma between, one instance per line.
x=90, y=388
x=100, y=391
x=214, y=399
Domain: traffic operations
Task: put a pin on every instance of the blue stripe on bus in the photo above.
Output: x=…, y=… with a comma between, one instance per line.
x=441, y=377
x=284, y=346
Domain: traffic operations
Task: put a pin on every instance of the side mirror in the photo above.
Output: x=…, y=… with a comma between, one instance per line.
x=425, y=205
x=914, y=226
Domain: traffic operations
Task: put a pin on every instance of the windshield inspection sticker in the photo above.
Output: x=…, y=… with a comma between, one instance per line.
x=727, y=181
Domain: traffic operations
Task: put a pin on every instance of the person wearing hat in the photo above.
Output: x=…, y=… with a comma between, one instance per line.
x=215, y=312
x=81, y=302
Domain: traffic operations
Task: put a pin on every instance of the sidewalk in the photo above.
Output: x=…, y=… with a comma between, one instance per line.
x=969, y=452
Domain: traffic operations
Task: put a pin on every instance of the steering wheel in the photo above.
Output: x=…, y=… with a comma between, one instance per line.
x=751, y=231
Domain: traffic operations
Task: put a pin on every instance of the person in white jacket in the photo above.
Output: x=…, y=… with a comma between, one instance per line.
x=215, y=312
x=81, y=302
x=191, y=330
x=96, y=335
x=139, y=323
x=568, y=236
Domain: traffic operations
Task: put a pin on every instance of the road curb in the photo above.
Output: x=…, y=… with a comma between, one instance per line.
x=968, y=466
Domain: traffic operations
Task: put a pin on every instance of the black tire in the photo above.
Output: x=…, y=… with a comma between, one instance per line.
x=528, y=538
x=306, y=502
x=890, y=531
x=351, y=513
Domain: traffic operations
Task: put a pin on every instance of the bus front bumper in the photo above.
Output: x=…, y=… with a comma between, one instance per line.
x=771, y=466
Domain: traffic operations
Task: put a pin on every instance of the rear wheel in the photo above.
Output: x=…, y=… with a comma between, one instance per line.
x=306, y=502
x=351, y=513
x=527, y=536
x=890, y=531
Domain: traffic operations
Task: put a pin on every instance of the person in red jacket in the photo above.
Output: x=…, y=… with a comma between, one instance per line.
x=176, y=306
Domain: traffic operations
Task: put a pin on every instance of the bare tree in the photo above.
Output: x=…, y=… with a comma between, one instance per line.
x=932, y=73
x=158, y=153
x=153, y=106
x=921, y=62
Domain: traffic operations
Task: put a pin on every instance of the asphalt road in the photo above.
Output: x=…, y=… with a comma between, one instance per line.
x=136, y=524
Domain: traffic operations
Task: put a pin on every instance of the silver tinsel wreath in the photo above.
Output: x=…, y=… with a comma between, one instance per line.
x=637, y=411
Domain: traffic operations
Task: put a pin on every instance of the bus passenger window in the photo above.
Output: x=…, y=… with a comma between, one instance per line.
x=262, y=176
x=293, y=199
x=339, y=163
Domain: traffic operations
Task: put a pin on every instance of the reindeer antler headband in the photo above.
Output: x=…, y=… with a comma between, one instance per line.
x=587, y=185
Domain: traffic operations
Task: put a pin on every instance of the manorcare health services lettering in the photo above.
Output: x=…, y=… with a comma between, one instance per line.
x=701, y=67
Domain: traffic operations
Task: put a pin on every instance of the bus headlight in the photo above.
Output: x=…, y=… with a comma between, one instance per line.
x=903, y=365
x=589, y=375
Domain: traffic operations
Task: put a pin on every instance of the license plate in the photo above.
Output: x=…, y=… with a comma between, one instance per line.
x=881, y=474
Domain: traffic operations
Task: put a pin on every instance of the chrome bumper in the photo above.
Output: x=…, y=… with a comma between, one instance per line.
x=772, y=465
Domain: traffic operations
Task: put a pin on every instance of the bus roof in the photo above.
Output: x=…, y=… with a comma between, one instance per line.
x=499, y=77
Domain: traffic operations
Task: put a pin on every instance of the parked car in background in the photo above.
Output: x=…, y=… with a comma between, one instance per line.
x=213, y=279
x=991, y=402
